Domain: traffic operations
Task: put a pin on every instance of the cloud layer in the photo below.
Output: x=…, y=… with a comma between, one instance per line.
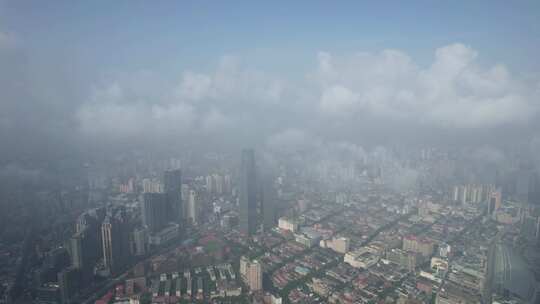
x=454, y=91
x=342, y=98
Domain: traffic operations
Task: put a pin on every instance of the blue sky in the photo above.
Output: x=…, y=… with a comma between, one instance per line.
x=273, y=34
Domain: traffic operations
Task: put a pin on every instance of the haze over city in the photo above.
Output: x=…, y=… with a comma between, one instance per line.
x=269, y=152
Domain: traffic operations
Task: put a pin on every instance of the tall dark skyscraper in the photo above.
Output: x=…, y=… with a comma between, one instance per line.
x=269, y=197
x=534, y=189
x=115, y=237
x=172, y=181
x=155, y=211
x=82, y=247
x=108, y=232
x=528, y=186
x=248, y=193
x=85, y=244
x=68, y=281
x=77, y=244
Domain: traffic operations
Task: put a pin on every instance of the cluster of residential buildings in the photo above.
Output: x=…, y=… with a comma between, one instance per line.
x=206, y=238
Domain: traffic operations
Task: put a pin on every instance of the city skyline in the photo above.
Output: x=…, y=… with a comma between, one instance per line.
x=269, y=152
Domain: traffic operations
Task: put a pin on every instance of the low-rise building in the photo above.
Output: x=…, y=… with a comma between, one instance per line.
x=361, y=258
x=418, y=245
x=169, y=233
x=308, y=237
x=338, y=244
x=404, y=259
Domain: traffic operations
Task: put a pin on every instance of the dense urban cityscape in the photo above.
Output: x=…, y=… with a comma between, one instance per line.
x=229, y=230
x=269, y=152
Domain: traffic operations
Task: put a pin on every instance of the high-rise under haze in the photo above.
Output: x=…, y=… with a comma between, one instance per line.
x=81, y=247
x=248, y=193
x=155, y=211
x=269, y=197
x=192, y=207
x=115, y=239
x=172, y=185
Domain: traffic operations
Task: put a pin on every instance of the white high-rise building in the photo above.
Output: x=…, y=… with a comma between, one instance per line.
x=251, y=273
x=218, y=183
x=456, y=193
x=185, y=199
x=193, y=212
x=227, y=183
x=209, y=184
x=255, y=275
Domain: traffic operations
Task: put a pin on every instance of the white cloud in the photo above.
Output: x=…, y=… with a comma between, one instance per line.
x=177, y=117
x=114, y=113
x=110, y=120
x=230, y=83
x=488, y=154
x=342, y=93
x=215, y=120
x=195, y=86
x=292, y=140
x=202, y=102
x=338, y=99
x=454, y=91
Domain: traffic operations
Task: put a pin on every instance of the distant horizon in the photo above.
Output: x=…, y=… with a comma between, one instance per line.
x=79, y=77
